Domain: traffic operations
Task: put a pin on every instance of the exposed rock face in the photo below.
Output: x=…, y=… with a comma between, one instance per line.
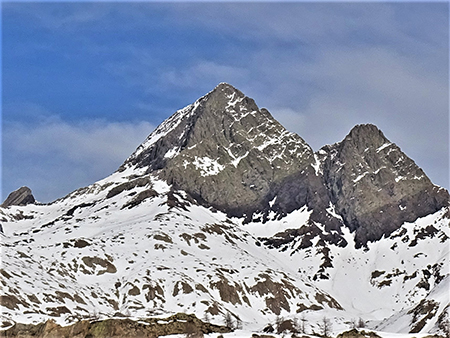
x=229, y=154
x=354, y=333
x=375, y=186
x=21, y=196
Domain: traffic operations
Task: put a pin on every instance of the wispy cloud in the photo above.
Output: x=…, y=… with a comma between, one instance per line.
x=67, y=154
x=59, y=16
x=201, y=73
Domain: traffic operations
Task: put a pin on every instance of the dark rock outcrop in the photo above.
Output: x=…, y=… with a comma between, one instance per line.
x=354, y=333
x=21, y=196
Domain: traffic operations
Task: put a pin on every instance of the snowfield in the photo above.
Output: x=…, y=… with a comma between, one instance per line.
x=167, y=255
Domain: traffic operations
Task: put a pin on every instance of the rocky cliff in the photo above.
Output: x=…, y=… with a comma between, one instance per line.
x=375, y=186
x=229, y=154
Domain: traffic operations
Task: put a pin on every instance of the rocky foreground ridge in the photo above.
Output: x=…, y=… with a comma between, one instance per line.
x=179, y=323
x=222, y=211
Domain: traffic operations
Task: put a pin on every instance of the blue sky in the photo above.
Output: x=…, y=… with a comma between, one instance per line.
x=84, y=83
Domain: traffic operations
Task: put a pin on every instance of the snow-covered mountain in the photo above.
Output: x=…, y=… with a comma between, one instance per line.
x=222, y=210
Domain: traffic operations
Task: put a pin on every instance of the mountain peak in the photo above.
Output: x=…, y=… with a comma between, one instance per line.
x=210, y=116
x=227, y=153
x=148, y=239
x=364, y=136
x=364, y=130
x=223, y=93
x=21, y=196
x=375, y=186
x=224, y=137
x=223, y=87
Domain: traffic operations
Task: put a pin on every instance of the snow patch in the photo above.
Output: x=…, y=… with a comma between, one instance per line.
x=360, y=176
x=316, y=165
x=294, y=220
x=383, y=146
x=207, y=166
x=332, y=211
x=272, y=202
x=172, y=153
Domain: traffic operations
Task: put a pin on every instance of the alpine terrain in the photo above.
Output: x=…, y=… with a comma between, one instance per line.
x=223, y=213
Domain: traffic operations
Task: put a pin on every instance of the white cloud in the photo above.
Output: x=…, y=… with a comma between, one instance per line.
x=83, y=141
x=141, y=70
x=67, y=155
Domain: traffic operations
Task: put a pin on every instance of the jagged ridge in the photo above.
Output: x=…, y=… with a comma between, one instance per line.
x=227, y=153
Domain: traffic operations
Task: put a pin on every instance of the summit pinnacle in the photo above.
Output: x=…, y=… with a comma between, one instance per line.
x=21, y=196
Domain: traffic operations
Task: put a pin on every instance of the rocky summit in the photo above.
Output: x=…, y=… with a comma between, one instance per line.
x=227, y=153
x=375, y=186
x=21, y=196
x=223, y=213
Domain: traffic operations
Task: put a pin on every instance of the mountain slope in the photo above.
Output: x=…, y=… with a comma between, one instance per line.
x=111, y=256
x=222, y=210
